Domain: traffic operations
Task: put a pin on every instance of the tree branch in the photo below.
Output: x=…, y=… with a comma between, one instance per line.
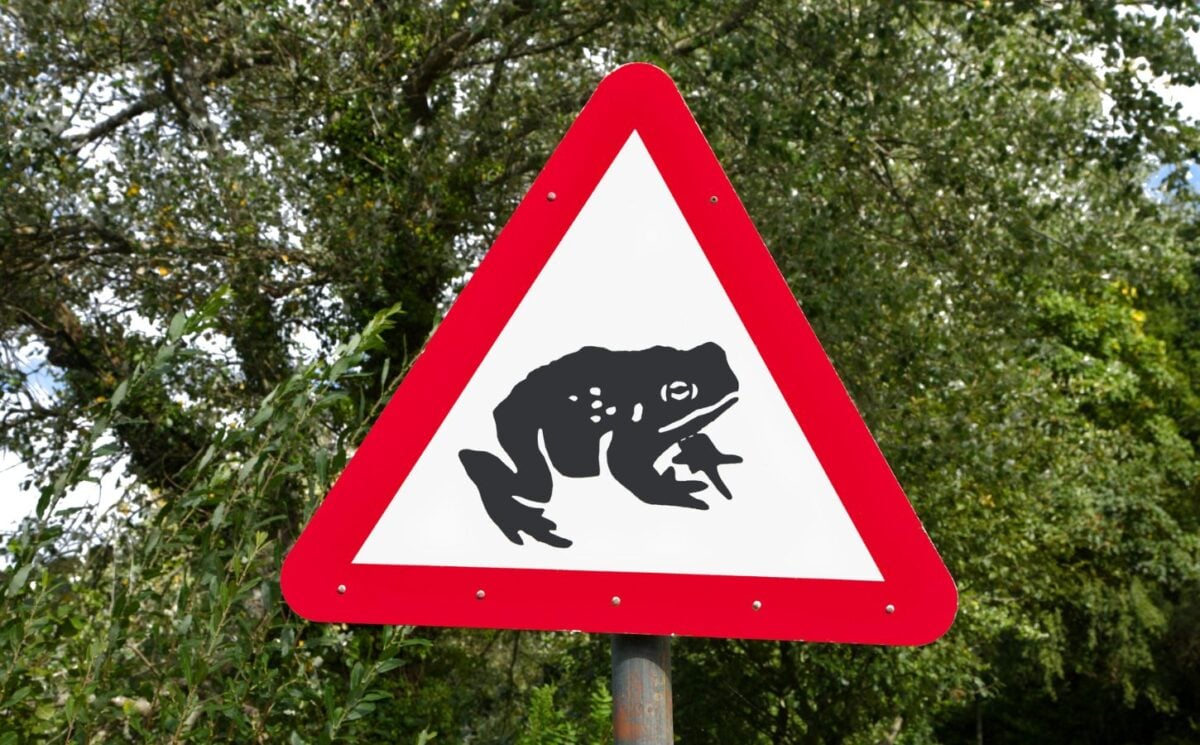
x=155, y=99
x=689, y=44
x=442, y=57
x=550, y=46
x=147, y=103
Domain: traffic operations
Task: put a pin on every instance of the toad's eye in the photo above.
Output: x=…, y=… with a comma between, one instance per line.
x=678, y=391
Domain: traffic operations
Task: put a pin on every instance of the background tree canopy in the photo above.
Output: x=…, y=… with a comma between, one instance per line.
x=199, y=199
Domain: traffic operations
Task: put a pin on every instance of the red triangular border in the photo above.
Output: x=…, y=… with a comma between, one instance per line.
x=914, y=604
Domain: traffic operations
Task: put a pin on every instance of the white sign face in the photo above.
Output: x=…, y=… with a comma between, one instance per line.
x=628, y=276
x=625, y=425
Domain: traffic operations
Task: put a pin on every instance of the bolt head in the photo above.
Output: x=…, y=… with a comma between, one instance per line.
x=480, y=594
x=341, y=589
x=756, y=605
x=890, y=608
x=616, y=600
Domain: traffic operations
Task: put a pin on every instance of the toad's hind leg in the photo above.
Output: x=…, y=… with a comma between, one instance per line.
x=498, y=484
x=494, y=481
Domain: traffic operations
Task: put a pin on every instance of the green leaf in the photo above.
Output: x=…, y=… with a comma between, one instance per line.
x=340, y=366
x=108, y=448
x=247, y=468
x=218, y=516
x=18, y=579
x=209, y=452
x=119, y=394
x=17, y=696
x=178, y=324
x=263, y=415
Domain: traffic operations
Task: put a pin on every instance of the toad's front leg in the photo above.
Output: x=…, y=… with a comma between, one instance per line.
x=631, y=462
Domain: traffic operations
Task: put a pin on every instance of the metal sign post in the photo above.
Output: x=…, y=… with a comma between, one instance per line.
x=641, y=690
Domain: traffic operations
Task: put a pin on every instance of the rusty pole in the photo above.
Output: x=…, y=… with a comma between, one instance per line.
x=641, y=690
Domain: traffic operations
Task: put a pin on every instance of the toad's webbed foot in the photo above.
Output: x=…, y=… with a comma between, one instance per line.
x=700, y=455
x=514, y=518
x=491, y=476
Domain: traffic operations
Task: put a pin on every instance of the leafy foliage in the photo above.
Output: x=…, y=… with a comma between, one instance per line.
x=195, y=196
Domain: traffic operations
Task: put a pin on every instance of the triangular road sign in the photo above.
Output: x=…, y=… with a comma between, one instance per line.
x=625, y=424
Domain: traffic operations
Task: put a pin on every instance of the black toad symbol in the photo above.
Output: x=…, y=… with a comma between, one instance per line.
x=649, y=399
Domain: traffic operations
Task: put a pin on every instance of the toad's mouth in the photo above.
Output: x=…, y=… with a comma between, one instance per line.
x=711, y=412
